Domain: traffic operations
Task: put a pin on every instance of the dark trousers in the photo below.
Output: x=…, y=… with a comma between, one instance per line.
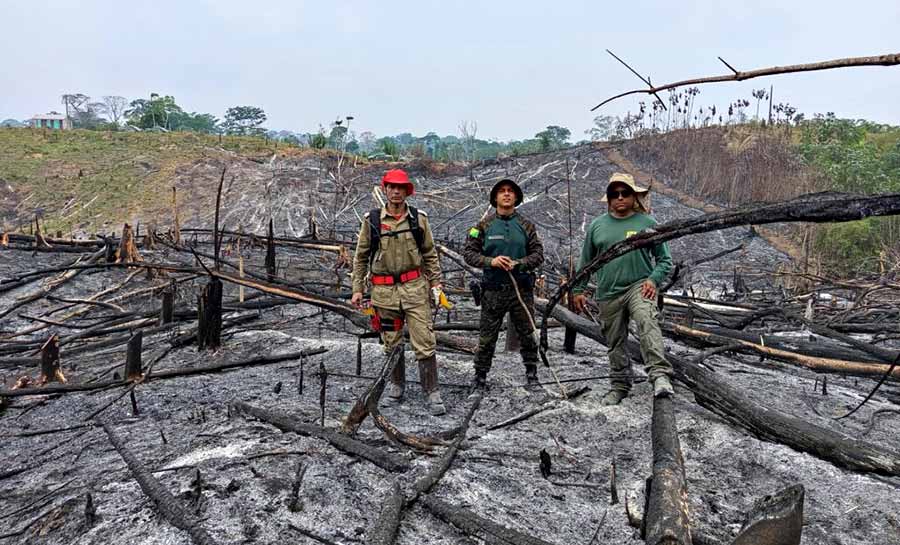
x=495, y=303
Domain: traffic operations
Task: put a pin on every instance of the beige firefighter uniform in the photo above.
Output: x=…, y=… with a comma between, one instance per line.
x=408, y=300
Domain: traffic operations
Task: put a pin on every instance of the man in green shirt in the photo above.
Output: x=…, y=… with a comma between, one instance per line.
x=507, y=247
x=627, y=286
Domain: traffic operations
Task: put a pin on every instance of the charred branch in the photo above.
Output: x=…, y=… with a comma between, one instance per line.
x=880, y=60
x=817, y=208
x=384, y=460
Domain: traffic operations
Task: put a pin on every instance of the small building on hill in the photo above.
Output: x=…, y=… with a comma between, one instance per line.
x=52, y=120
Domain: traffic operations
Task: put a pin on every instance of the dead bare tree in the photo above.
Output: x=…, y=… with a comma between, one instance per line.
x=467, y=132
x=115, y=107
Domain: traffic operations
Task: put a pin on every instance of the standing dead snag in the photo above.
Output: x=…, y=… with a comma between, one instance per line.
x=209, y=310
x=39, y=240
x=127, y=251
x=50, y=371
x=167, y=310
x=176, y=221
x=271, y=270
x=133, y=357
x=323, y=385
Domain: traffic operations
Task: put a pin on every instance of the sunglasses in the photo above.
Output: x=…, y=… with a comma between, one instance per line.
x=624, y=193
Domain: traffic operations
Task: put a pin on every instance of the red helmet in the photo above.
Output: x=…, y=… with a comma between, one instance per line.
x=399, y=177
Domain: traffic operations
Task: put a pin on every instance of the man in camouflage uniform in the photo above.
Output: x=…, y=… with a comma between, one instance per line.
x=503, y=244
x=405, y=270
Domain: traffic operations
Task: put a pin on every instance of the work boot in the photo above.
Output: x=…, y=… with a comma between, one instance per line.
x=428, y=375
x=531, y=377
x=480, y=380
x=662, y=387
x=613, y=397
x=398, y=380
x=436, y=404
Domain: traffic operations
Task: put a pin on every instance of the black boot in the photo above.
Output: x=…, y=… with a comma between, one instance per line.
x=531, y=377
x=480, y=380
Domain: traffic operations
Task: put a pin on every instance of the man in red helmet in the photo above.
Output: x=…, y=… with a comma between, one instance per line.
x=396, y=247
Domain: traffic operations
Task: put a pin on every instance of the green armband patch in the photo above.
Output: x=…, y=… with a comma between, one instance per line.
x=474, y=232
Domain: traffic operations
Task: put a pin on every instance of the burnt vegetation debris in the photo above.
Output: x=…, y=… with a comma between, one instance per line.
x=211, y=322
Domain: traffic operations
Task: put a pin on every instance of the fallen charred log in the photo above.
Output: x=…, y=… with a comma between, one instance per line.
x=384, y=460
x=68, y=274
x=164, y=374
x=385, y=528
x=716, y=395
x=818, y=364
x=164, y=502
x=478, y=526
x=768, y=424
x=666, y=519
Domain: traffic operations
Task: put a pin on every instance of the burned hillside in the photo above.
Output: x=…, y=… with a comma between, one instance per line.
x=250, y=441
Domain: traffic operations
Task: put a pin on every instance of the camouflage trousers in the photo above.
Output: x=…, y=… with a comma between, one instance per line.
x=495, y=303
x=615, y=314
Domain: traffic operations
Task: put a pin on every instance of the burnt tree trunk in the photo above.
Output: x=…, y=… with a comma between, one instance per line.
x=39, y=240
x=290, y=423
x=127, y=251
x=50, y=371
x=167, y=311
x=483, y=528
x=209, y=309
x=163, y=500
x=133, y=357
x=271, y=270
x=571, y=334
x=667, y=514
x=775, y=519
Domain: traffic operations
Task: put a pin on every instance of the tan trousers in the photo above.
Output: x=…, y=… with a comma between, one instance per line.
x=418, y=323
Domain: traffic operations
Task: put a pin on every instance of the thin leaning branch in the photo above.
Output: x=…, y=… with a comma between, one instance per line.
x=878, y=60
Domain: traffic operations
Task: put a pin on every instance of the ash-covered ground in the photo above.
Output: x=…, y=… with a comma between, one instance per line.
x=247, y=467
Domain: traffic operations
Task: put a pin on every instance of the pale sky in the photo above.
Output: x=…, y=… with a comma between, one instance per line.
x=514, y=67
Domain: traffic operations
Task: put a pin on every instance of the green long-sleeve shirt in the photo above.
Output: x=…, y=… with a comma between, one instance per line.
x=624, y=271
